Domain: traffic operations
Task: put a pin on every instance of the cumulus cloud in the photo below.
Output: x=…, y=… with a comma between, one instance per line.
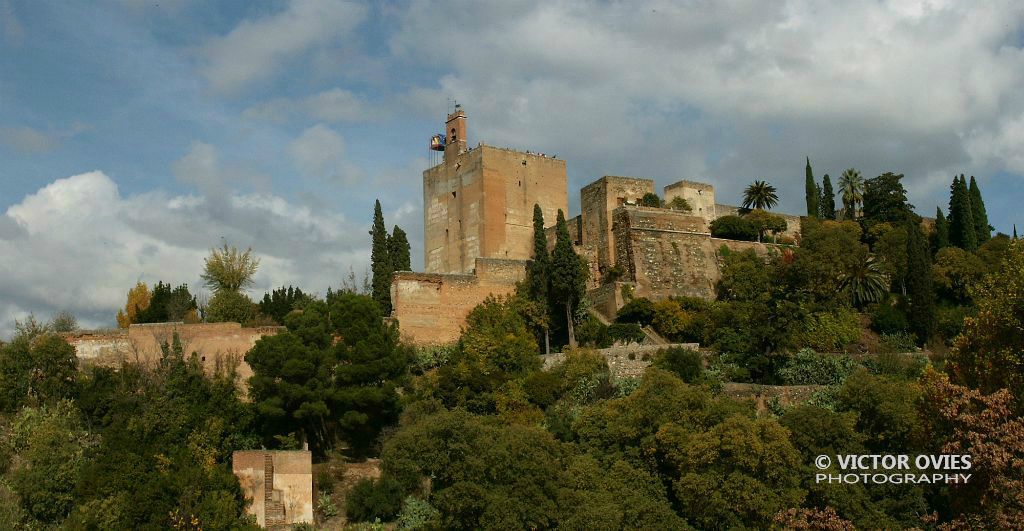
x=320, y=151
x=79, y=244
x=733, y=91
x=255, y=49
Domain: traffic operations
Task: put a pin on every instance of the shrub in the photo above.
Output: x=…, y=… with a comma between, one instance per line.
x=636, y=311
x=626, y=385
x=418, y=514
x=626, y=332
x=370, y=499
x=612, y=274
x=896, y=364
x=808, y=367
x=593, y=333
x=430, y=357
x=733, y=228
x=650, y=199
x=949, y=320
x=680, y=203
x=324, y=480
x=325, y=506
x=671, y=321
x=683, y=362
x=543, y=388
x=899, y=342
x=888, y=319
x=829, y=331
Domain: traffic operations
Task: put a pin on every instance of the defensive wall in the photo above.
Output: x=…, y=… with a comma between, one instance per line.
x=279, y=485
x=792, y=222
x=218, y=345
x=431, y=308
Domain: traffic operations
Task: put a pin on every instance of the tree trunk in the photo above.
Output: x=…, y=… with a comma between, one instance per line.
x=568, y=320
x=547, y=341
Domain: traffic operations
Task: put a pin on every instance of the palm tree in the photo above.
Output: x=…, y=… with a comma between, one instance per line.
x=760, y=195
x=867, y=283
x=852, y=185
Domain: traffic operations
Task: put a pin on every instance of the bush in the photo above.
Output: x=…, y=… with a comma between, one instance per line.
x=733, y=228
x=370, y=499
x=324, y=480
x=685, y=363
x=418, y=514
x=593, y=333
x=899, y=342
x=639, y=311
x=949, y=320
x=808, y=367
x=325, y=506
x=229, y=306
x=896, y=364
x=650, y=199
x=430, y=357
x=829, y=332
x=888, y=319
x=626, y=332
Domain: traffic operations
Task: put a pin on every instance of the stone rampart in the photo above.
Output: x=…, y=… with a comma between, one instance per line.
x=279, y=485
x=431, y=308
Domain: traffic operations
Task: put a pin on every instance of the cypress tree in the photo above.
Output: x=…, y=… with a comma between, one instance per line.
x=981, y=228
x=541, y=264
x=568, y=276
x=920, y=291
x=962, y=232
x=828, y=199
x=380, y=261
x=398, y=250
x=1014, y=232
x=941, y=230
x=811, y=190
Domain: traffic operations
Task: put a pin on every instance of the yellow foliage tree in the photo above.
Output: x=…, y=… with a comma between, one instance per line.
x=138, y=300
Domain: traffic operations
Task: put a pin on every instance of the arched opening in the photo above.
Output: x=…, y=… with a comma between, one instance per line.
x=455, y=137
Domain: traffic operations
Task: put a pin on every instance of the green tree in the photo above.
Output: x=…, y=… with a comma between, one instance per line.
x=280, y=302
x=538, y=279
x=380, y=261
x=890, y=248
x=851, y=186
x=229, y=269
x=568, y=277
x=920, y=291
x=230, y=306
x=651, y=199
x=680, y=203
x=370, y=362
x=739, y=473
x=35, y=371
x=866, y=283
x=169, y=305
x=885, y=200
x=764, y=222
x=811, y=192
x=989, y=354
x=398, y=251
x=955, y=274
x=760, y=195
x=940, y=238
x=962, y=230
x=979, y=214
x=827, y=204
x=733, y=227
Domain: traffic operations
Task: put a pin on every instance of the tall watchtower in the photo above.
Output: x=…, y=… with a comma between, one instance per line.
x=478, y=202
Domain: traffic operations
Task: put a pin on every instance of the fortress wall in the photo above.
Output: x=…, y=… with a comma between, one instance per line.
x=597, y=201
x=217, y=344
x=431, y=308
x=607, y=298
x=701, y=197
x=292, y=482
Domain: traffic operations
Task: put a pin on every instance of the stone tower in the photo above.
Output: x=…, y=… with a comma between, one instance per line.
x=478, y=202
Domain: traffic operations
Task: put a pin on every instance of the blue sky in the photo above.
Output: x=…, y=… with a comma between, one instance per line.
x=134, y=135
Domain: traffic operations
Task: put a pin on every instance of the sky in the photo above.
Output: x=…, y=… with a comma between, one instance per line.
x=136, y=135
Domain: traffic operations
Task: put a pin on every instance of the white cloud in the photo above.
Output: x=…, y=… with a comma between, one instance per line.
x=255, y=49
x=79, y=244
x=320, y=151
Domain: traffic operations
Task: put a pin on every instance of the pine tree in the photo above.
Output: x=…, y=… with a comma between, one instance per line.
x=398, y=250
x=812, y=193
x=380, y=261
x=962, y=232
x=920, y=291
x=568, y=276
x=827, y=204
x=941, y=230
x=982, y=230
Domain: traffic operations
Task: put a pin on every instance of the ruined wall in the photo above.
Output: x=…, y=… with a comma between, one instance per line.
x=597, y=201
x=217, y=344
x=607, y=298
x=289, y=474
x=624, y=361
x=480, y=204
x=701, y=197
x=792, y=222
x=431, y=308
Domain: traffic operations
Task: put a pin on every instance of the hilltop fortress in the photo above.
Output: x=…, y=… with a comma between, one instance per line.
x=478, y=235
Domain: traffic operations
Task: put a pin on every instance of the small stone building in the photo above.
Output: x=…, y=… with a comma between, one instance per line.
x=279, y=485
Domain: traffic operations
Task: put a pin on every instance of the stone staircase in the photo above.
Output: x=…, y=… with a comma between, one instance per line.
x=273, y=509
